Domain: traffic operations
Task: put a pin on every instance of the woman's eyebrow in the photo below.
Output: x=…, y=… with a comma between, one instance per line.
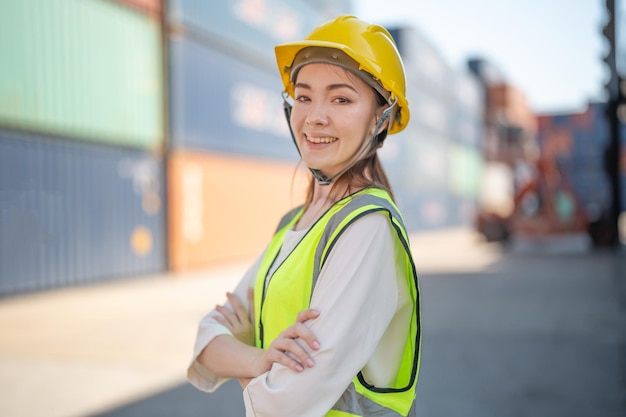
x=328, y=88
x=302, y=85
x=341, y=85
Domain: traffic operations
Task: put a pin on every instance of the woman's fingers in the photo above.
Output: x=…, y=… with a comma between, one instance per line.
x=240, y=309
x=308, y=314
x=251, y=304
x=290, y=347
x=289, y=353
x=229, y=317
x=303, y=331
x=236, y=319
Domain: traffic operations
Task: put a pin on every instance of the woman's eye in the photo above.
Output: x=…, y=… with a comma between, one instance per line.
x=342, y=100
x=302, y=98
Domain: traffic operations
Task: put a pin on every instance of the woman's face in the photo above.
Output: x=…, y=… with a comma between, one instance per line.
x=333, y=113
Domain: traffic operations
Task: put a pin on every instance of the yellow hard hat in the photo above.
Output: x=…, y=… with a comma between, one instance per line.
x=369, y=47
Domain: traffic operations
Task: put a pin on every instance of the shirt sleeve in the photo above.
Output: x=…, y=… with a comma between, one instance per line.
x=357, y=295
x=208, y=329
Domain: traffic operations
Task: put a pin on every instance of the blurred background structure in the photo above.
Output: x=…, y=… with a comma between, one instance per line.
x=140, y=137
x=145, y=160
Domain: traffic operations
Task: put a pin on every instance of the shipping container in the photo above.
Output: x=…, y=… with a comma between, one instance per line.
x=73, y=213
x=431, y=112
x=427, y=211
x=589, y=129
x=469, y=108
x=435, y=165
x=225, y=208
x=487, y=72
x=623, y=165
x=510, y=105
x=417, y=162
x=244, y=27
x=436, y=183
x=332, y=9
x=426, y=68
x=86, y=69
x=154, y=7
x=219, y=103
x=416, y=165
x=469, y=94
x=465, y=165
x=577, y=143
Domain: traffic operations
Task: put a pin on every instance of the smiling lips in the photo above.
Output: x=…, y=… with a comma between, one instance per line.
x=326, y=139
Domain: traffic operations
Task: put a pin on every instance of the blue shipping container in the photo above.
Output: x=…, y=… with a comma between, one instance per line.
x=417, y=167
x=622, y=128
x=220, y=103
x=250, y=27
x=581, y=140
x=426, y=68
x=429, y=210
x=468, y=114
x=72, y=212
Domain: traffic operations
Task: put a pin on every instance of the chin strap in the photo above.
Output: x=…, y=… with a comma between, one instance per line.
x=317, y=174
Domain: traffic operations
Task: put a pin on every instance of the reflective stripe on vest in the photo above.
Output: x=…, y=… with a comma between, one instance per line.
x=289, y=290
x=353, y=404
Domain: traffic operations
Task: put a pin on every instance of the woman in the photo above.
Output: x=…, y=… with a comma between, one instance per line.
x=326, y=322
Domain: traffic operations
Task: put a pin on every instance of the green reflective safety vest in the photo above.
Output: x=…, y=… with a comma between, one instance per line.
x=290, y=288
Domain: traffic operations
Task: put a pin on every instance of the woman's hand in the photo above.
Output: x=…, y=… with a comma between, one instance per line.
x=288, y=351
x=285, y=349
x=240, y=322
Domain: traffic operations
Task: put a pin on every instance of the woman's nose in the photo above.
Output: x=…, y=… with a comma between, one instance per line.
x=318, y=115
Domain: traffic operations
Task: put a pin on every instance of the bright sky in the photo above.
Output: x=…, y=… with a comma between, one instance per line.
x=551, y=49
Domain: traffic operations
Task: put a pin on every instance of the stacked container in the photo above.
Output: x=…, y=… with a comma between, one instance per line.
x=116, y=112
x=622, y=165
x=81, y=134
x=578, y=142
x=232, y=163
x=466, y=151
x=434, y=162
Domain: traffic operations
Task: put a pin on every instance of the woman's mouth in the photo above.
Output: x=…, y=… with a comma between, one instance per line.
x=321, y=139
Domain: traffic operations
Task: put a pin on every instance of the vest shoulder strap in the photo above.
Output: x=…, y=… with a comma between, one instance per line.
x=288, y=217
x=359, y=206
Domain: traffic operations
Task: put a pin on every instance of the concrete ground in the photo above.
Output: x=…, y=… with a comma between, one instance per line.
x=517, y=332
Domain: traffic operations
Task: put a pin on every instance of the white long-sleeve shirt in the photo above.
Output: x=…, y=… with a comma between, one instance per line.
x=365, y=312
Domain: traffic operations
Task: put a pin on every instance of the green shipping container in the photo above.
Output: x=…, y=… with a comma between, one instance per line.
x=88, y=69
x=465, y=170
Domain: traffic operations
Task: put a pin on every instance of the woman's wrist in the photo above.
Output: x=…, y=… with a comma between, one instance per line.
x=227, y=357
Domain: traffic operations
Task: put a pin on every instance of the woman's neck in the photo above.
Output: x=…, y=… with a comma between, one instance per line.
x=323, y=198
